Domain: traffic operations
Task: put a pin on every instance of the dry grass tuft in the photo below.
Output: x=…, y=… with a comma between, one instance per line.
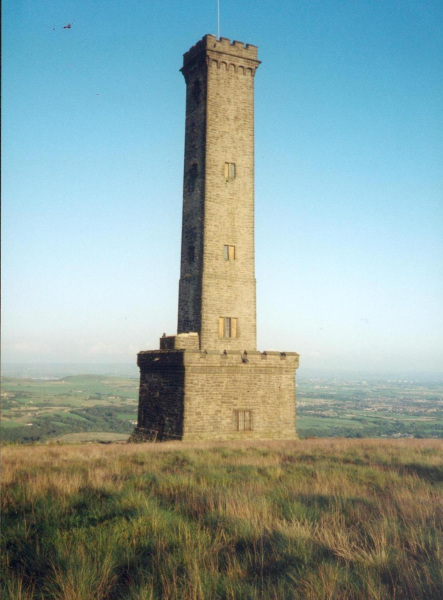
x=315, y=519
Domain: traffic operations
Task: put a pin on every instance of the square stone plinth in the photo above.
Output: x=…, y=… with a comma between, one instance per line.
x=211, y=395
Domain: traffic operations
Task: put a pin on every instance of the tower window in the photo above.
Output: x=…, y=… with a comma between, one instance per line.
x=229, y=252
x=196, y=89
x=243, y=420
x=191, y=178
x=227, y=327
x=229, y=171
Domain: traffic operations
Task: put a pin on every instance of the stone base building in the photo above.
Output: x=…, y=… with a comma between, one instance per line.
x=209, y=382
x=192, y=394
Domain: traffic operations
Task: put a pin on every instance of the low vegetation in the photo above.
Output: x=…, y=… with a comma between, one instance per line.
x=316, y=519
x=36, y=410
x=95, y=406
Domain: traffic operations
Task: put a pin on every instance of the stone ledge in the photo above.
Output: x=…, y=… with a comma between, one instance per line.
x=181, y=357
x=181, y=341
x=240, y=436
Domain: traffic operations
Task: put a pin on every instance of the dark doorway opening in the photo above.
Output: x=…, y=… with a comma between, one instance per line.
x=160, y=429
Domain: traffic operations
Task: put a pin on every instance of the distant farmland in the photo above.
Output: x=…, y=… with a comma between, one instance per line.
x=38, y=410
x=35, y=410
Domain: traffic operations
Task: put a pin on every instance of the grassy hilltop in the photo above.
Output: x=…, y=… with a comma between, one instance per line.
x=315, y=519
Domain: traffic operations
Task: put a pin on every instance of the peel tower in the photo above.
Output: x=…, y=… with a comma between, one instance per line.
x=209, y=382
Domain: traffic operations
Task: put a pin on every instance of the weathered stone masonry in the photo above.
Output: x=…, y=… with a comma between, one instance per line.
x=209, y=381
x=216, y=211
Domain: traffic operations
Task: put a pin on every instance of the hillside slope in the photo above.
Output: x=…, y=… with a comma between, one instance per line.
x=313, y=519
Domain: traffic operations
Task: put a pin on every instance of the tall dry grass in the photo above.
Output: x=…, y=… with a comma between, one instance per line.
x=315, y=519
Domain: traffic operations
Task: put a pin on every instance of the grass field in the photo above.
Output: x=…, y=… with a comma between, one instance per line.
x=92, y=436
x=316, y=519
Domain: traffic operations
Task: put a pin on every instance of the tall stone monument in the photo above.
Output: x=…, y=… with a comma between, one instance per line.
x=209, y=382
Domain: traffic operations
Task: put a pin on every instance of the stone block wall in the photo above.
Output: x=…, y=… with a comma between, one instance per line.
x=194, y=395
x=181, y=341
x=191, y=267
x=161, y=396
x=218, y=210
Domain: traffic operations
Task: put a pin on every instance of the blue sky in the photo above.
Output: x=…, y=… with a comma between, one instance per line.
x=349, y=185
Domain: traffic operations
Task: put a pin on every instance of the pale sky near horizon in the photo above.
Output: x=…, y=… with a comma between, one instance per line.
x=349, y=185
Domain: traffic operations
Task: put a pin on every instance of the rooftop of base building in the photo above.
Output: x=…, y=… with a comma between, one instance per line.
x=224, y=45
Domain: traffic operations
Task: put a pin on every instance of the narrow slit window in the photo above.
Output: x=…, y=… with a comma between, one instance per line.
x=229, y=252
x=227, y=327
x=243, y=420
x=229, y=171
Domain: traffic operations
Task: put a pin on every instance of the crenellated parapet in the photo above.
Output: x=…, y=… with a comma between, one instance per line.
x=224, y=45
x=180, y=356
x=222, y=54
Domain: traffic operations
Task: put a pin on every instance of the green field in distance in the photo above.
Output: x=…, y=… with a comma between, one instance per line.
x=104, y=408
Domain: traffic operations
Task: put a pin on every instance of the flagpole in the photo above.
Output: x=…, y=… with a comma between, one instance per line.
x=218, y=19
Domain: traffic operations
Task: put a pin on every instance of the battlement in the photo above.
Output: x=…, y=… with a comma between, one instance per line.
x=223, y=46
x=227, y=358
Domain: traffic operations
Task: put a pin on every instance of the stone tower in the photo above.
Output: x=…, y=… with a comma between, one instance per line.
x=217, y=265
x=209, y=381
